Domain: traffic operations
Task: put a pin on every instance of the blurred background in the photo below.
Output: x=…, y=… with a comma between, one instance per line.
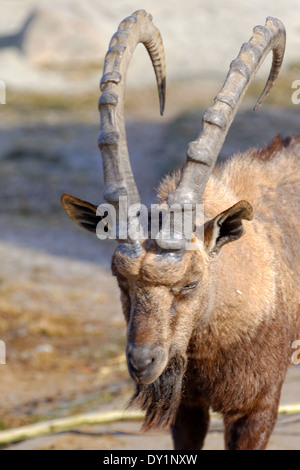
x=60, y=315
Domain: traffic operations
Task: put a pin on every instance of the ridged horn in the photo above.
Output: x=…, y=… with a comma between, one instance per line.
x=137, y=28
x=203, y=152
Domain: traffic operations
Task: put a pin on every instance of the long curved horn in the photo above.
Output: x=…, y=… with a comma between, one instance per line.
x=137, y=28
x=203, y=152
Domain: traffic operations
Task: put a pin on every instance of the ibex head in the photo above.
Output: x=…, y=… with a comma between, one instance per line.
x=165, y=288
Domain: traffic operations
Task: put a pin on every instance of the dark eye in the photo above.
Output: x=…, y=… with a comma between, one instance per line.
x=191, y=285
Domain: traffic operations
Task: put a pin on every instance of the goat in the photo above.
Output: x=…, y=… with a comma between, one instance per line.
x=212, y=326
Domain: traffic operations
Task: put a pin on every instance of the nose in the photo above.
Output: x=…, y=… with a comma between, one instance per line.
x=145, y=361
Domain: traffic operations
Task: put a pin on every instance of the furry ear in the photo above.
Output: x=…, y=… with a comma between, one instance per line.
x=83, y=213
x=226, y=227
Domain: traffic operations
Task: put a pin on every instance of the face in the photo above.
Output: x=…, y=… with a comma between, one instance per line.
x=164, y=293
x=162, y=299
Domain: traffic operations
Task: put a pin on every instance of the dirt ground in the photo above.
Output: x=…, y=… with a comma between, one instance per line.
x=60, y=315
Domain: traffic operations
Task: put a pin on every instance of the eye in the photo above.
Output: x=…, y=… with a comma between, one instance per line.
x=190, y=285
x=177, y=290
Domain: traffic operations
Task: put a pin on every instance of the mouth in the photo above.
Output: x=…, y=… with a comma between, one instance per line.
x=146, y=376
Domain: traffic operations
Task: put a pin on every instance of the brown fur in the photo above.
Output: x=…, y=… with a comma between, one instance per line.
x=276, y=146
x=237, y=329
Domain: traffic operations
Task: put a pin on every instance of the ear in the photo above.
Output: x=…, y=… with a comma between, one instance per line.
x=83, y=213
x=226, y=227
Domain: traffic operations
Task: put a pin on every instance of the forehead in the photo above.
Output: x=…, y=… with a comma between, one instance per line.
x=153, y=265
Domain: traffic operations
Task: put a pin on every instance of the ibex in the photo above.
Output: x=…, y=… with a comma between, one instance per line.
x=208, y=327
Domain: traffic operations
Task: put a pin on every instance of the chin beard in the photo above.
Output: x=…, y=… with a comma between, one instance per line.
x=161, y=398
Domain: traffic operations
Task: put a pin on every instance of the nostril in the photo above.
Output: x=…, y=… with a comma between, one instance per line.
x=140, y=357
x=139, y=363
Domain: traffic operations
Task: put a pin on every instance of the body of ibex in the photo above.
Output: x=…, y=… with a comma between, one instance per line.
x=211, y=326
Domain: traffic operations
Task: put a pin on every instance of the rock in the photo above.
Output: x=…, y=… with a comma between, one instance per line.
x=63, y=38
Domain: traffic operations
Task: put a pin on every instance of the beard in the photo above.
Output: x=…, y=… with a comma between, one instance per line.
x=161, y=398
